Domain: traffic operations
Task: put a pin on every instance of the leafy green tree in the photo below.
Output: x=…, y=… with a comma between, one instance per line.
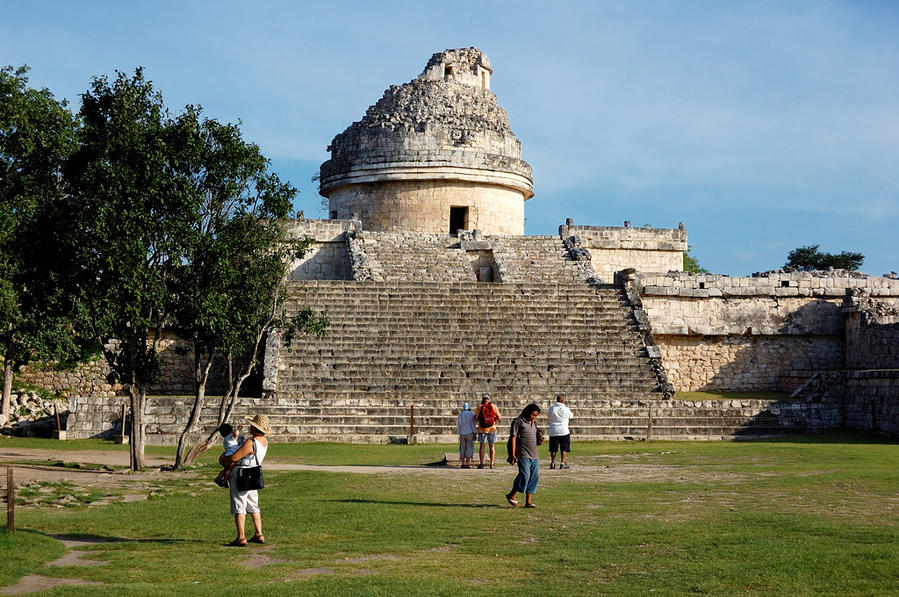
x=130, y=221
x=37, y=133
x=691, y=264
x=809, y=258
x=230, y=288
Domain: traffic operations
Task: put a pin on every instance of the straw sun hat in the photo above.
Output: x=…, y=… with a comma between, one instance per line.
x=260, y=422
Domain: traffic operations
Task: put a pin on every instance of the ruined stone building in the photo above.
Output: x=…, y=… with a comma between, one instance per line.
x=436, y=296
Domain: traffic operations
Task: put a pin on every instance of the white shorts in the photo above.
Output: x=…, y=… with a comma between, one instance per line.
x=242, y=502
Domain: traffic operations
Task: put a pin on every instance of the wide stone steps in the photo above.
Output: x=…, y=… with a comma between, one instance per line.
x=393, y=344
x=465, y=338
x=380, y=420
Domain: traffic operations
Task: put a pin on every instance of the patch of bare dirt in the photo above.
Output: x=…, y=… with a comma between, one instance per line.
x=84, y=476
x=32, y=583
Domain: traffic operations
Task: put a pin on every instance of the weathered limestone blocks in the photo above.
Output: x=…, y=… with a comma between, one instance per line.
x=744, y=362
x=613, y=249
x=872, y=332
x=93, y=378
x=384, y=419
x=762, y=332
x=760, y=315
x=327, y=257
x=829, y=284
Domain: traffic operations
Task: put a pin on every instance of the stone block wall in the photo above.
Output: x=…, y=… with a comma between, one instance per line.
x=327, y=258
x=745, y=362
x=87, y=379
x=754, y=333
x=92, y=378
x=872, y=333
x=416, y=205
x=616, y=248
x=872, y=402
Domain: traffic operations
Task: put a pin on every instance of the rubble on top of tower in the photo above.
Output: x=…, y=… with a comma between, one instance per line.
x=449, y=106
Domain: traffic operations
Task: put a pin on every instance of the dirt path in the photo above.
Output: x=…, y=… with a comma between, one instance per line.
x=611, y=472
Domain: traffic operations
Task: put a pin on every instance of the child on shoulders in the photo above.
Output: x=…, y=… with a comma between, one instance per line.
x=231, y=441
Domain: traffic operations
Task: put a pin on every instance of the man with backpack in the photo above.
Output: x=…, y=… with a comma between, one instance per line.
x=487, y=416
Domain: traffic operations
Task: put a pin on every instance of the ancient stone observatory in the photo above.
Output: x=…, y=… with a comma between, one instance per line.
x=435, y=155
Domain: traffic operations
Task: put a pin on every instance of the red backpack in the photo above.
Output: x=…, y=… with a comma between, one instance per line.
x=488, y=415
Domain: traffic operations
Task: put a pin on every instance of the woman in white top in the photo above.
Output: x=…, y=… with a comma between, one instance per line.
x=244, y=502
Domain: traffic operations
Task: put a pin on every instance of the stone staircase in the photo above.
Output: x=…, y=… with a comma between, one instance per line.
x=530, y=259
x=403, y=356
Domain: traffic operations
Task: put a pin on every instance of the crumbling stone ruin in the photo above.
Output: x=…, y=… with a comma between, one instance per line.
x=436, y=297
x=435, y=155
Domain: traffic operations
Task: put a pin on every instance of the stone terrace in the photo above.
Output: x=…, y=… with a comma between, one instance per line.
x=395, y=345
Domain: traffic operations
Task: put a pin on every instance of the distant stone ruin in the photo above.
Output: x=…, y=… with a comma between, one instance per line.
x=436, y=297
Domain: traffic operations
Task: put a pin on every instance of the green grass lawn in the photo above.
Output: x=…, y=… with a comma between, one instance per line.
x=801, y=515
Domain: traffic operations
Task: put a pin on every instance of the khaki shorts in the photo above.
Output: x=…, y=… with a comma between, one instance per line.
x=489, y=437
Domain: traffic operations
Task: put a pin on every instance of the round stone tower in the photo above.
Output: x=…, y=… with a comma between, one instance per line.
x=434, y=155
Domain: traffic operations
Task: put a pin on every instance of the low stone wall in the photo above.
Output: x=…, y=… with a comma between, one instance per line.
x=644, y=249
x=87, y=379
x=746, y=363
x=872, y=333
x=327, y=257
x=101, y=417
x=92, y=378
x=378, y=421
x=872, y=402
x=756, y=333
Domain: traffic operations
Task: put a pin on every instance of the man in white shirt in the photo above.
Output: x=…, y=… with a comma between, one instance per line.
x=559, y=435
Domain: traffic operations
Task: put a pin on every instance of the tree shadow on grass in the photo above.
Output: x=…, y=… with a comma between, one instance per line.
x=409, y=503
x=824, y=437
x=84, y=539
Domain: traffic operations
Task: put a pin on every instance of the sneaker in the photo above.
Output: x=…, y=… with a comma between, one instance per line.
x=480, y=466
x=563, y=465
x=552, y=465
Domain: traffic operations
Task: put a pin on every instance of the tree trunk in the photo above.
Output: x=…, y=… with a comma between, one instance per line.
x=7, y=386
x=201, y=373
x=138, y=439
x=225, y=407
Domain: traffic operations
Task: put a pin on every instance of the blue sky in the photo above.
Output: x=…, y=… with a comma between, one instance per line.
x=763, y=126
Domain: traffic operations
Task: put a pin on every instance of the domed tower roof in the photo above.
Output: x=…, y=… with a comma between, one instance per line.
x=444, y=126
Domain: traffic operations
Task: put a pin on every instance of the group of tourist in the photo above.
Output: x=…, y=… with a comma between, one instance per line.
x=524, y=437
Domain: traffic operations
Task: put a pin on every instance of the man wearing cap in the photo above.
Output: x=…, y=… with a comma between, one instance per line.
x=487, y=417
x=467, y=429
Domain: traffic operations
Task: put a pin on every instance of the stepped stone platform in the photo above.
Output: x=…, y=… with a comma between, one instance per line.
x=402, y=356
x=387, y=419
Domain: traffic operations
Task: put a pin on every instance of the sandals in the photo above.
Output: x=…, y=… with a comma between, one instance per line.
x=512, y=502
x=260, y=539
x=238, y=543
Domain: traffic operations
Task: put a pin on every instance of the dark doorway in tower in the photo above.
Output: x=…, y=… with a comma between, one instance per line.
x=458, y=219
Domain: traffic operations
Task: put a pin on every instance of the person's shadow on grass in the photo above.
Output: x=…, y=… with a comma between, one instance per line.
x=408, y=503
